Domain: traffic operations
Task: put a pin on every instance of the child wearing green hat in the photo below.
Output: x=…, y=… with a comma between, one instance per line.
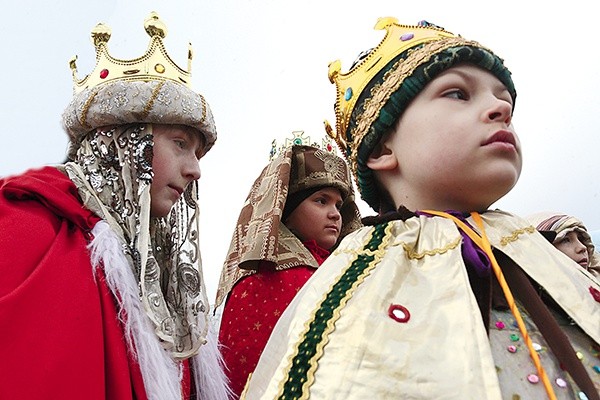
x=403, y=307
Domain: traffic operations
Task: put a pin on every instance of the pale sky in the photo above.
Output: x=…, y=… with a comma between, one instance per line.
x=262, y=66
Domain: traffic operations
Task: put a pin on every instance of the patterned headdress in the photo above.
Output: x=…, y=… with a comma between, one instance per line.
x=260, y=234
x=372, y=96
x=562, y=224
x=110, y=124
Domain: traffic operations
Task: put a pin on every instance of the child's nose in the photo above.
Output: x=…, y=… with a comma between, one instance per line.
x=500, y=110
x=192, y=169
x=580, y=247
x=335, y=213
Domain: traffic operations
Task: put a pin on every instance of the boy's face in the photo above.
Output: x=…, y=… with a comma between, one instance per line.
x=572, y=245
x=455, y=145
x=318, y=218
x=177, y=151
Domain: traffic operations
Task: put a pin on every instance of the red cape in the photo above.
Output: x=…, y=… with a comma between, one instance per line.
x=61, y=337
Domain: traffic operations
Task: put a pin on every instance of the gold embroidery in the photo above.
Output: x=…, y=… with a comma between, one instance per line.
x=515, y=235
x=410, y=252
x=413, y=255
x=86, y=107
x=150, y=103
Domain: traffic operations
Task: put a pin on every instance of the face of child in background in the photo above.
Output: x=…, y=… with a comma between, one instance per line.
x=571, y=244
x=318, y=218
x=455, y=145
x=177, y=151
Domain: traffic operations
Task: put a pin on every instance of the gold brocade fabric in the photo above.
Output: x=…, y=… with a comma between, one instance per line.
x=260, y=235
x=113, y=174
x=409, y=326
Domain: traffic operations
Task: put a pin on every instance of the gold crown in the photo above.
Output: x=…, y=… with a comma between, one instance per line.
x=155, y=64
x=398, y=38
x=298, y=139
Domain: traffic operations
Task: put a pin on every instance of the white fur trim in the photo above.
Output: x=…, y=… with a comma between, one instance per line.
x=161, y=374
x=159, y=371
x=209, y=371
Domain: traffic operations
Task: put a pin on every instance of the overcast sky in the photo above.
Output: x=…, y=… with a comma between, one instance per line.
x=262, y=66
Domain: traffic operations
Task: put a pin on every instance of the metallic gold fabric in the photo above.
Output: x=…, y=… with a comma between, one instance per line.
x=260, y=235
x=441, y=350
x=113, y=173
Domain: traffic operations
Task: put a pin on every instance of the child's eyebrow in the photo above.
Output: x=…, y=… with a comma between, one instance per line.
x=466, y=75
x=470, y=78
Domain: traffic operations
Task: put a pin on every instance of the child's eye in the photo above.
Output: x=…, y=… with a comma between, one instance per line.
x=456, y=94
x=180, y=143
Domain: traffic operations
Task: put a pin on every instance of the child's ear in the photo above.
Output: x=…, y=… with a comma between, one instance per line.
x=382, y=158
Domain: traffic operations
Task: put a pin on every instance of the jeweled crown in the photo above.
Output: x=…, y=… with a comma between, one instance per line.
x=299, y=139
x=350, y=85
x=155, y=64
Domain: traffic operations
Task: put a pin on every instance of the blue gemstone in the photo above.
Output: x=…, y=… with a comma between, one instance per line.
x=348, y=94
x=407, y=36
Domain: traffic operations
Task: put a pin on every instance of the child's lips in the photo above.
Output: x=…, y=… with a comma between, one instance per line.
x=177, y=189
x=333, y=227
x=501, y=136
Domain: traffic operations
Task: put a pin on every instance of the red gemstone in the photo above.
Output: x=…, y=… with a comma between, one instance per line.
x=595, y=293
x=103, y=73
x=329, y=147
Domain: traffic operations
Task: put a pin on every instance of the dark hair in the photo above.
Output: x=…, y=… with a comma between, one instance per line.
x=293, y=200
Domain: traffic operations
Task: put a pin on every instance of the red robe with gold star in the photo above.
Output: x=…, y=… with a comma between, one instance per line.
x=252, y=310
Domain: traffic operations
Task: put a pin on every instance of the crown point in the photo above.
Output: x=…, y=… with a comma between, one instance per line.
x=100, y=34
x=154, y=26
x=190, y=56
x=73, y=64
x=384, y=22
x=334, y=69
x=329, y=129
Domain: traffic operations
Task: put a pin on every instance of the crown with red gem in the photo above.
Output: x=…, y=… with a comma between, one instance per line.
x=155, y=64
x=298, y=139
